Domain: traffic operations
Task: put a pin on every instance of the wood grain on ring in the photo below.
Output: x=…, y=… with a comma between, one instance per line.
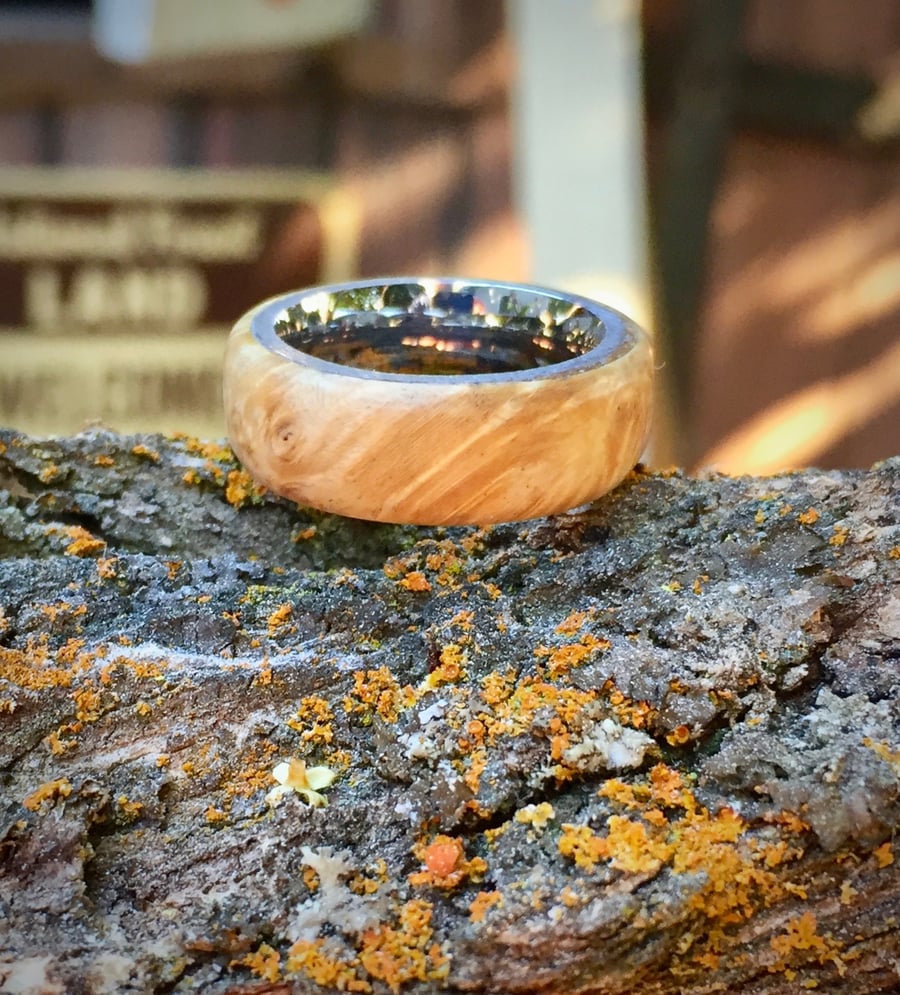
x=431, y=451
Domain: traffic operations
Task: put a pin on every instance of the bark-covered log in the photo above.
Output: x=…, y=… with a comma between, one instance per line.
x=650, y=747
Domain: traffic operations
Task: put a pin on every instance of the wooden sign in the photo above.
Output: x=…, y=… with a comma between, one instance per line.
x=118, y=288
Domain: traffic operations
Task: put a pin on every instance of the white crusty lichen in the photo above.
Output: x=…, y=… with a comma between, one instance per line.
x=333, y=902
x=606, y=745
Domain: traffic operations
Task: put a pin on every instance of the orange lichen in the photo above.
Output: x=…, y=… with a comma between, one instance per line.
x=56, y=745
x=106, y=567
x=207, y=449
x=442, y=855
x=848, y=893
x=561, y=659
x=62, y=611
x=311, y=959
x=894, y=553
x=252, y=771
x=450, y=669
x=808, y=517
x=240, y=488
x=264, y=962
x=885, y=751
x=445, y=864
x=415, y=581
x=884, y=854
x=87, y=703
x=304, y=534
x=128, y=809
x=279, y=619
x=50, y=791
x=49, y=473
x=582, y=845
x=82, y=542
x=313, y=721
x=841, y=535
x=572, y=623
x=405, y=952
x=679, y=736
x=145, y=452
x=477, y=763
x=215, y=815
x=377, y=692
x=482, y=902
x=802, y=943
x=536, y=815
x=104, y=460
x=666, y=826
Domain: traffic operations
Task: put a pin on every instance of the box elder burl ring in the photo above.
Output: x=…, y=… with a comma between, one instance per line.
x=437, y=401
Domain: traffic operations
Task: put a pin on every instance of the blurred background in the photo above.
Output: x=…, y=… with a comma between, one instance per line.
x=727, y=171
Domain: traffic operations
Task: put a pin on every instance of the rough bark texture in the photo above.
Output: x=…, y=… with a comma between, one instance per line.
x=650, y=747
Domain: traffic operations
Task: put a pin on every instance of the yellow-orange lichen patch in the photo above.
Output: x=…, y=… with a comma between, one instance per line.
x=313, y=721
x=667, y=826
x=377, y=692
x=252, y=771
x=884, y=854
x=445, y=864
x=129, y=809
x=279, y=620
x=536, y=816
x=450, y=669
x=679, y=736
x=264, y=962
x=561, y=659
x=840, y=535
x=241, y=489
x=312, y=960
x=848, y=893
x=884, y=750
x=88, y=706
x=107, y=567
x=582, y=845
x=802, y=943
x=50, y=791
x=145, y=452
x=81, y=542
x=405, y=952
x=482, y=903
x=415, y=580
x=33, y=669
x=808, y=517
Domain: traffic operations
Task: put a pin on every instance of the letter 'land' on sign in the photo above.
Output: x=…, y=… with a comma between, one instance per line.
x=118, y=287
x=171, y=297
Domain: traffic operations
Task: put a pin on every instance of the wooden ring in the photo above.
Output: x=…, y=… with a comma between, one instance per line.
x=437, y=401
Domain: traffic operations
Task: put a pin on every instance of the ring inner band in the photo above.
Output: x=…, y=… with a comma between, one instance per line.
x=414, y=329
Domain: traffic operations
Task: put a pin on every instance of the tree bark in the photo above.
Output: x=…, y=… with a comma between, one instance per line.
x=650, y=746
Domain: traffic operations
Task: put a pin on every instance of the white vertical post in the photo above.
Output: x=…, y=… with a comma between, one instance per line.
x=579, y=171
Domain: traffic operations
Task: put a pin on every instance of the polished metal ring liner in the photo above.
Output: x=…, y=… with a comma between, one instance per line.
x=437, y=401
